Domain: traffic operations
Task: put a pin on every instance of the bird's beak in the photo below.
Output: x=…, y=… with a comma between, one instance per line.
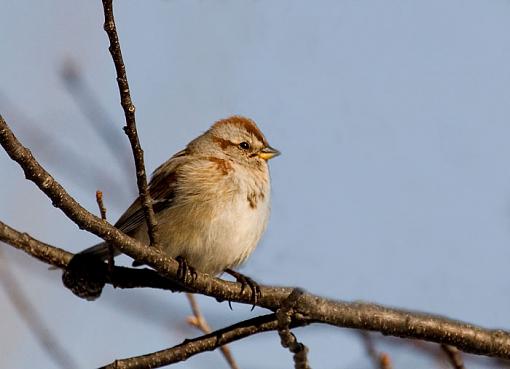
x=268, y=153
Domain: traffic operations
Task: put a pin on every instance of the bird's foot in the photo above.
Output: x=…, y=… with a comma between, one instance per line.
x=184, y=270
x=245, y=281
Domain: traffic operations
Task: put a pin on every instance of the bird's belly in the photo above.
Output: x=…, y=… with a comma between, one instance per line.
x=212, y=239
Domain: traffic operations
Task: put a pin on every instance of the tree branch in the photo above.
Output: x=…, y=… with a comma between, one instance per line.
x=130, y=128
x=102, y=211
x=195, y=346
x=288, y=339
x=313, y=309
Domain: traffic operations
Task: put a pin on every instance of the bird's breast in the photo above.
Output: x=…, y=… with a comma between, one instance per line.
x=221, y=228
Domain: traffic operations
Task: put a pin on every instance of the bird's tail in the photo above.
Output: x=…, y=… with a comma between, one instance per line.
x=100, y=251
x=86, y=273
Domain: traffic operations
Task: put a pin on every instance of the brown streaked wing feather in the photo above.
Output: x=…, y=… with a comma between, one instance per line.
x=129, y=221
x=162, y=190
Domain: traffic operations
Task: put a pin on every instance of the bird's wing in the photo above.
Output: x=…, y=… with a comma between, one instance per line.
x=162, y=190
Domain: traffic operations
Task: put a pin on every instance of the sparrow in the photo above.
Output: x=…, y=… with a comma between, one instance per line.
x=211, y=201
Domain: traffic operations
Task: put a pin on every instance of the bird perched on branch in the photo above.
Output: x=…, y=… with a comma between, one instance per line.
x=211, y=202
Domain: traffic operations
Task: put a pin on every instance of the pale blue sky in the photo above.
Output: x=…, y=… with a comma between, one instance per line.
x=394, y=186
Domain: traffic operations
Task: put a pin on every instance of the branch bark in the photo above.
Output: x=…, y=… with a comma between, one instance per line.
x=288, y=339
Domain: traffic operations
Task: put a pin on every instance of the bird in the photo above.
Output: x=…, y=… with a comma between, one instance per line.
x=211, y=201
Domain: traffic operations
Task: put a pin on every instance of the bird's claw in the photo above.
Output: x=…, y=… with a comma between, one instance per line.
x=245, y=281
x=184, y=270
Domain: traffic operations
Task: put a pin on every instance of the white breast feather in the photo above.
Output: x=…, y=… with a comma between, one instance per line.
x=219, y=234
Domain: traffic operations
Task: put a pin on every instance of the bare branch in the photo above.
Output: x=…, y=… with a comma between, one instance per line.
x=194, y=346
x=48, y=342
x=198, y=321
x=435, y=352
x=314, y=309
x=100, y=204
x=380, y=360
x=385, y=361
x=285, y=315
x=102, y=211
x=130, y=128
x=368, y=342
x=454, y=356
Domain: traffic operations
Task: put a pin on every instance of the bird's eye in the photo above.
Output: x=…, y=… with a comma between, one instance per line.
x=244, y=145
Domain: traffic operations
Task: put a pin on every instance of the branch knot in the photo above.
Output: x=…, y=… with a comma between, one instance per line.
x=284, y=316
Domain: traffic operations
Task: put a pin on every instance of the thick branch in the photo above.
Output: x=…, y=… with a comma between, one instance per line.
x=312, y=308
x=130, y=128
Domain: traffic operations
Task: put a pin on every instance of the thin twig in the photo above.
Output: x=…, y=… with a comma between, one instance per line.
x=102, y=211
x=198, y=321
x=380, y=360
x=285, y=315
x=130, y=128
x=358, y=315
x=100, y=204
x=454, y=356
x=370, y=347
x=26, y=310
x=385, y=361
x=194, y=346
